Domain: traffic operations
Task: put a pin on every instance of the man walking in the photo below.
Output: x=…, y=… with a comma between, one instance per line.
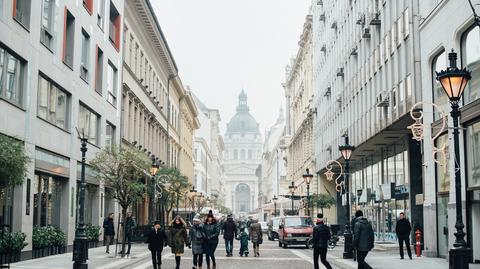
x=130, y=225
x=108, y=231
x=156, y=240
x=403, y=230
x=363, y=238
x=229, y=233
x=321, y=235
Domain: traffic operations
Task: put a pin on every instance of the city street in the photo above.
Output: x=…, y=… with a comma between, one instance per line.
x=271, y=257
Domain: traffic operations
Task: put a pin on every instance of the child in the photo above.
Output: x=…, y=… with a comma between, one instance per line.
x=243, y=237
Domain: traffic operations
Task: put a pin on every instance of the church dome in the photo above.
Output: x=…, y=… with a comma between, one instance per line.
x=242, y=122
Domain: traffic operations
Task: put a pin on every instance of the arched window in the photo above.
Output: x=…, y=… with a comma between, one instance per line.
x=439, y=97
x=235, y=154
x=471, y=60
x=242, y=154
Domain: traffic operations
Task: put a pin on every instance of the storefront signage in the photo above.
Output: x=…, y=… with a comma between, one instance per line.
x=401, y=192
x=365, y=197
x=51, y=163
x=387, y=190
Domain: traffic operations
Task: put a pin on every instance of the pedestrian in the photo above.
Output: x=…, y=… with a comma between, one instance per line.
x=177, y=238
x=362, y=239
x=403, y=230
x=229, y=233
x=243, y=237
x=321, y=235
x=256, y=236
x=130, y=225
x=108, y=231
x=196, y=240
x=212, y=231
x=156, y=239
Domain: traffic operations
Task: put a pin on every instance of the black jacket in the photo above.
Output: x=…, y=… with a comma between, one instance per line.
x=130, y=225
x=108, y=227
x=156, y=239
x=403, y=228
x=229, y=229
x=363, y=236
x=321, y=235
x=212, y=231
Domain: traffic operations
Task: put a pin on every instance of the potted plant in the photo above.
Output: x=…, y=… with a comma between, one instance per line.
x=58, y=240
x=93, y=232
x=47, y=240
x=11, y=245
x=40, y=241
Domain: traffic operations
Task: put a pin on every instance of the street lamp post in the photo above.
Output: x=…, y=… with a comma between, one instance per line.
x=454, y=81
x=275, y=198
x=80, y=247
x=292, y=189
x=153, y=172
x=308, y=179
x=346, y=151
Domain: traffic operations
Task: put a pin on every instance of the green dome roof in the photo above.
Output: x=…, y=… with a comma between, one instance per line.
x=242, y=122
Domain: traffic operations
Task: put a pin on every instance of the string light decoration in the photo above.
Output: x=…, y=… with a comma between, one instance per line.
x=439, y=153
x=339, y=184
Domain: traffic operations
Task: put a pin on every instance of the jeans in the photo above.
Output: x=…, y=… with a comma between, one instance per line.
x=128, y=237
x=108, y=242
x=156, y=257
x=229, y=246
x=361, y=260
x=407, y=243
x=322, y=252
x=197, y=260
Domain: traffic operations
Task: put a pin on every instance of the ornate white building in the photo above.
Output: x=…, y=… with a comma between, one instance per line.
x=243, y=144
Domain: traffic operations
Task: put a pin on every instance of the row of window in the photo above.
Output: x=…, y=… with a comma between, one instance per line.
x=244, y=154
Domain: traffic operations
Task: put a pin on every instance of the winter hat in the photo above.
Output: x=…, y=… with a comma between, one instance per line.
x=196, y=220
x=210, y=214
x=157, y=222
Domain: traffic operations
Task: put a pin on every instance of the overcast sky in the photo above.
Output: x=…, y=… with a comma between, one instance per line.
x=222, y=46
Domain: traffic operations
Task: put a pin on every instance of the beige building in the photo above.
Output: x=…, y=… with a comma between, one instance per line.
x=189, y=122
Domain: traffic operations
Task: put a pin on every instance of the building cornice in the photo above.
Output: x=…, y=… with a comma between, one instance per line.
x=303, y=43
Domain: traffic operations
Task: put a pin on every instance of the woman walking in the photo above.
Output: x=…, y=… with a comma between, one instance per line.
x=156, y=240
x=177, y=238
x=212, y=231
x=196, y=240
x=256, y=236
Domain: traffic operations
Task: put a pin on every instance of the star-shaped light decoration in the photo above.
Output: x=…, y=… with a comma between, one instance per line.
x=330, y=174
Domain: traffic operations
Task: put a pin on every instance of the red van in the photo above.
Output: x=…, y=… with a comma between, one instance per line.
x=295, y=230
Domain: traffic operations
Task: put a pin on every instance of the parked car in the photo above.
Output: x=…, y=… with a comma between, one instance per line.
x=272, y=231
x=264, y=226
x=295, y=230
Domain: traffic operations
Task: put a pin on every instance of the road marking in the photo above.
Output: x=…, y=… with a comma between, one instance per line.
x=147, y=264
x=302, y=256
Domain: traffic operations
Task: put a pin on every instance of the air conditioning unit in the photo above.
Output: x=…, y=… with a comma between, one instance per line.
x=383, y=99
x=322, y=17
x=340, y=72
x=374, y=18
x=366, y=33
x=360, y=19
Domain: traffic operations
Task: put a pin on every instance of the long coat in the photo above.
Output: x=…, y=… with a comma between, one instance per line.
x=156, y=239
x=229, y=229
x=321, y=235
x=108, y=227
x=403, y=228
x=197, y=235
x=363, y=236
x=177, y=238
x=255, y=232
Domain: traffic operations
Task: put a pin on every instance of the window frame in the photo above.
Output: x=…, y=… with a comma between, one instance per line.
x=114, y=93
x=97, y=123
x=51, y=84
x=85, y=57
x=25, y=25
x=19, y=79
x=66, y=39
x=47, y=31
x=88, y=5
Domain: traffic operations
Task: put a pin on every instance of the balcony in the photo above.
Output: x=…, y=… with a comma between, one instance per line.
x=366, y=33
x=340, y=72
x=374, y=18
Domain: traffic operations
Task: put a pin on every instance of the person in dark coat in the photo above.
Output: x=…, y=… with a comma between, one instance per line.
x=256, y=236
x=156, y=239
x=229, y=233
x=197, y=235
x=321, y=235
x=243, y=237
x=403, y=230
x=363, y=238
x=212, y=231
x=177, y=238
x=130, y=225
x=108, y=231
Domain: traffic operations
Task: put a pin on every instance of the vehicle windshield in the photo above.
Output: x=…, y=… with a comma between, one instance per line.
x=298, y=222
x=275, y=222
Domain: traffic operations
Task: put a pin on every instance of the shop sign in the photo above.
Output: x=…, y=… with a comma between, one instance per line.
x=401, y=192
x=387, y=190
x=52, y=163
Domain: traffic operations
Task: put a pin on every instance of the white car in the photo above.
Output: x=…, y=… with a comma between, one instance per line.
x=264, y=226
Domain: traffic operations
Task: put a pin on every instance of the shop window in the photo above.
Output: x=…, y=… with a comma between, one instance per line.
x=11, y=77
x=88, y=123
x=85, y=65
x=52, y=103
x=88, y=4
x=439, y=97
x=471, y=58
x=46, y=33
x=47, y=200
x=473, y=155
x=112, y=77
x=68, y=38
x=109, y=135
x=442, y=168
x=99, y=71
x=21, y=12
x=91, y=203
x=114, y=26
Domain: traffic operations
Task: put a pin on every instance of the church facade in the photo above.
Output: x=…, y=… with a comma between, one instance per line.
x=242, y=160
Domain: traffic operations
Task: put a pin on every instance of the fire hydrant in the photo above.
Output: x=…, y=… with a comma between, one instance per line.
x=418, y=239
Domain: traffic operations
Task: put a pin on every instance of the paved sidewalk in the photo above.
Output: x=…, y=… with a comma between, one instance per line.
x=97, y=259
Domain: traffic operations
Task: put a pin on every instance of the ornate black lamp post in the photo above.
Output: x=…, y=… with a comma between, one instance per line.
x=274, y=199
x=454, y=81
x=292, y=188
x=153, y=172
x=346, y=151
x=308, y=179
x=80, y=246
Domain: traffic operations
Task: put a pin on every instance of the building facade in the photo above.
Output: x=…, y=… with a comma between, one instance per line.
x=461, y=35
x=60, y=71
x=243, y=153
x=367, y=77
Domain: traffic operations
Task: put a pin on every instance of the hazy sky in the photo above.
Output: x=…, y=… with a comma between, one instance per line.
x=222, y=46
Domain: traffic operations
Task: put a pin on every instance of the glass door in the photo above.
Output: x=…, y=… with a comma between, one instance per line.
x=442, y=225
